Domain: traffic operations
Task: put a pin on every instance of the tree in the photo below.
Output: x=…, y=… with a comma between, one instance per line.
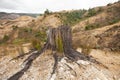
x=47, y=12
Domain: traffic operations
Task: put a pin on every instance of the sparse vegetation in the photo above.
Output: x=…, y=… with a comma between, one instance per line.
x=14, y=27
x=91, y=12
x=114, y=21
x=18, y=41
x=29, y=30
x=71, y=18
x=91, y=26
x=36, y=37
x=5, y=38
x=36, y=44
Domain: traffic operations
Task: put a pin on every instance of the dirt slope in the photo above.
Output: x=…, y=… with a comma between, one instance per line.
x=108, y=15
x=7, y=26
x=106, y=37
x=47, y=21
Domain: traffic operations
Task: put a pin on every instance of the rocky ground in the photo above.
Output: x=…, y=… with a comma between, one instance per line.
x=42, y=67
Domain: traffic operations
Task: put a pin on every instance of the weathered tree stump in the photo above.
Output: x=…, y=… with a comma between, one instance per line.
x=59, y=40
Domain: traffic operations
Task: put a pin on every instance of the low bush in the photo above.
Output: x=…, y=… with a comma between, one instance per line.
x=5, y=38
x=91, y=26
x=91, y=12
x=19, y=41
x=36, y=44
x=29, y=30
x=14, y=27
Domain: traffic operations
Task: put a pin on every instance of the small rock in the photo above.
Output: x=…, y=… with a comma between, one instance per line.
x=83, y=62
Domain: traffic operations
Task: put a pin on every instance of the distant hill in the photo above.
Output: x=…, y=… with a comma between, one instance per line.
x=11, y=16
x=4, y=15
x=28, y=14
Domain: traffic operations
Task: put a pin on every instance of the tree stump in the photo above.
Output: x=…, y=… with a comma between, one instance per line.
x=59, y=40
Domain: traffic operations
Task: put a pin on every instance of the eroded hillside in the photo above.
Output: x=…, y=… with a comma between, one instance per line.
x=95, y=33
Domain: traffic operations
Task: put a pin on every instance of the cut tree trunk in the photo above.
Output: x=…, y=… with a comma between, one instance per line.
x=59, y=40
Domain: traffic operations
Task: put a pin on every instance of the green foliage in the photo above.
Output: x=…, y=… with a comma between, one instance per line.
x=47, y=12
x=91, y=12
x=18, y=41
x=29, y=30
x=26, y=34
x=100, y=9
x=91, y=26
x=14, y=27
x=109, y=4
x=88, y=27
x=38, y=38
x=113, y=21
x=59, y=44
x=71, y=18
x=36, y=44
x=5, y=38
x=40, y=35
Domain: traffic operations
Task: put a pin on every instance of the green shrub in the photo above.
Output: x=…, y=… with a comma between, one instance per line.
x=5, y=38
x=109, y=4
x=91, y=12
x=14, y=27
x=71, y=18
x=113, y=21
x=40, y=35
x=47, y=12
x=100, y=9
x=28, y=30
x=36, y=44
x=91, y=26
x=18, y=41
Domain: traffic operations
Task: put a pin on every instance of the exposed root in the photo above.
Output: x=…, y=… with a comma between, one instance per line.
x=55, y=64
x=75, y=74
x=28, y=63
x=21, y=56
x=74, y=56
x=21, y=72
